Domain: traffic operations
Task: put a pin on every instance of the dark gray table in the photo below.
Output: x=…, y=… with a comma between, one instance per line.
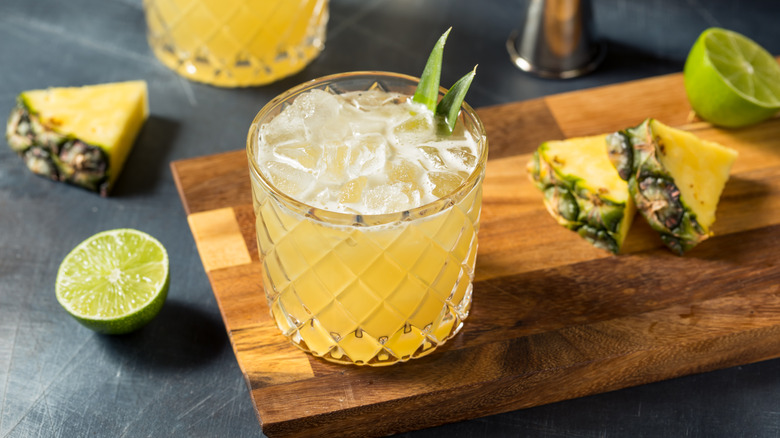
x=178, y=375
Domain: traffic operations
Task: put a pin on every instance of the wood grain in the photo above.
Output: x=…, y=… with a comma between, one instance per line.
x=553, y=317
x=218, y=237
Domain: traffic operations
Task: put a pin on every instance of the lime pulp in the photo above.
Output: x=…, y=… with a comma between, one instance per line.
x=731, y=80
x=745, y=65
x=115, y=281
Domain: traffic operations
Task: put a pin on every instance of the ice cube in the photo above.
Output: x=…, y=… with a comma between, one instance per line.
x=317, y=101
x=459, y=132
x=367, y=126
x=462, y=156
x=284, y=128
x=303, y=155
x=408, y=176
x=324, y=197
x=321, y=117
x=432, y=159
x=414, y=193
x=368, y=154
x=444, y=183
x=414, y=129
x=386, y=198
x=352, y=191
x=335, y=162
x=286, y=178
x=370, y=99
x=403, y=170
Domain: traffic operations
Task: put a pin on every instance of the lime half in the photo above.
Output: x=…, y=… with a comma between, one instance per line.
x=115, y=281
x=730, y=80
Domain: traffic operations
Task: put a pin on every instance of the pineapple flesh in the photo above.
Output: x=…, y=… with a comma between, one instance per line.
x=78, y=135
x=674, y=177
x=583, y=191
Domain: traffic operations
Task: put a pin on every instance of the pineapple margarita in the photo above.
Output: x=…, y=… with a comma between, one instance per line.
x=367, y=216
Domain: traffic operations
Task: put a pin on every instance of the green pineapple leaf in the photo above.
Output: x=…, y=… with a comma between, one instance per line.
x=427, y=91
x=449, y=107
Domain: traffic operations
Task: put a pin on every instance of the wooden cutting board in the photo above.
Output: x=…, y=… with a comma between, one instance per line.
x=553, y=318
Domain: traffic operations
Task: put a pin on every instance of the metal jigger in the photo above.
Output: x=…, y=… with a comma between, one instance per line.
x=557, y=40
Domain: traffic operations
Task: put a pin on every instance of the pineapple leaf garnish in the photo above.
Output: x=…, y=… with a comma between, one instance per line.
x=427, y=91
x=449, y=107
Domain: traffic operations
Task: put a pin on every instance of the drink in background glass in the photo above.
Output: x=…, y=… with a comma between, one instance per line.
x=367, y=217
x=236, y=43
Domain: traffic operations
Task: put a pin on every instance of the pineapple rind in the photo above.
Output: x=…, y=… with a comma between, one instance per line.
x=673, y=220
x=654, y=189
x=56, y=156
x=667, y=215
x=620, y=153
x=578, y=206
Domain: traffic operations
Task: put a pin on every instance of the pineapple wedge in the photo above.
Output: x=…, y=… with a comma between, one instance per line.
x=79, y=135
x=675, y=178
x=583, y=191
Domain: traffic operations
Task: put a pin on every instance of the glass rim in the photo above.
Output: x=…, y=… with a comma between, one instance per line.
x=358, y=219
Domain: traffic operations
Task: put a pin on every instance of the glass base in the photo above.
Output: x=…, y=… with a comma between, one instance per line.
x=413, y=342
x=241, y=73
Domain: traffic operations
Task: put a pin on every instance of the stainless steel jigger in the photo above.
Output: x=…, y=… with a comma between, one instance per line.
x=557, y=40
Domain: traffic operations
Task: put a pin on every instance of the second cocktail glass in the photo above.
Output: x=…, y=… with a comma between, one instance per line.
x=236, y=43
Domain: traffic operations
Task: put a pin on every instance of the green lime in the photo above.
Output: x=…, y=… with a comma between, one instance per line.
x=730, y=80
x=115, y=281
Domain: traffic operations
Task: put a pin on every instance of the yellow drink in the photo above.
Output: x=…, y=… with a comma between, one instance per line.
x=350, y=279
x=236, y=42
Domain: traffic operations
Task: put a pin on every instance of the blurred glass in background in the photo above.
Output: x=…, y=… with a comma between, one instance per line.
x=236, y=43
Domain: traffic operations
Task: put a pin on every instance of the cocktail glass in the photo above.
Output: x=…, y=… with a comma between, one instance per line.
x=367, y=289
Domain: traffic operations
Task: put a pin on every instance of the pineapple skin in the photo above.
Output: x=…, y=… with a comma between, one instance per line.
x=56, y=149
x=56, y=156
x=579, y=206
x=635, y=153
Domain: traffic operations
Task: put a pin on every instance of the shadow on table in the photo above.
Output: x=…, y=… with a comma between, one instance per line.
x=148, y=160
x=625, y=59
x=181, y=336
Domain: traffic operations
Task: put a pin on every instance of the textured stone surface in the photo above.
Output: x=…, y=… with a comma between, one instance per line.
x=178, y=376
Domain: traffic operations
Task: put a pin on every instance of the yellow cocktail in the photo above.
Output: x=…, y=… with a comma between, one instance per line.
x=367, y=217
x=236, y=42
